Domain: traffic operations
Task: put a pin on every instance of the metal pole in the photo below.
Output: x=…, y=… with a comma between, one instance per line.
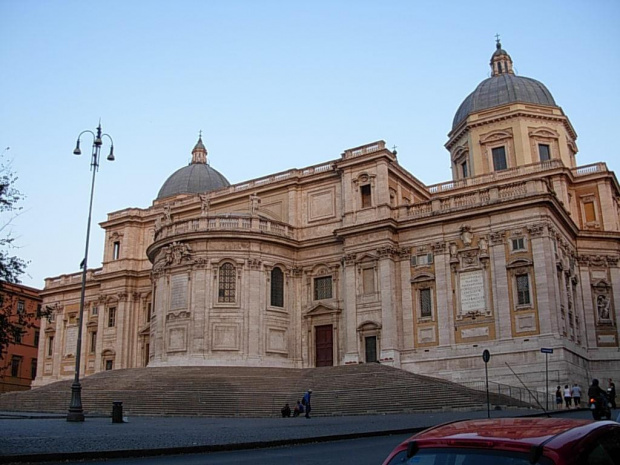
x=547, y=379
x=76, y=411
x=486, y=374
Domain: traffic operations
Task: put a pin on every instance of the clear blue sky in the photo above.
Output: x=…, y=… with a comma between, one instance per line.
x=273, y=85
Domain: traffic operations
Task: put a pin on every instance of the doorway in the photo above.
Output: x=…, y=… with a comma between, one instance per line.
x=371, y=348
x=324, y=345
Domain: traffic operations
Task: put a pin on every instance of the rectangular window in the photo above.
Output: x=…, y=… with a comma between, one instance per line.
x=228, y=283
x=277, y=288
x=323, y=288
x=368, y=280
x=518, y=244
x=464, y=170
x=94, y=311
x=544, y=153
x=36, y=339
x=18, y=338
x=112, y=317
x=426, y=304
x=148, y=311
x=33, y=368
x=499, y=159
x=366, y=197
x=93, y=342
x=116, y=251
x=50, y=346
x=109, y=364
x=15, y=364
x=21, y=307
x=421, y=260
x=523, y=289
x=590, y=212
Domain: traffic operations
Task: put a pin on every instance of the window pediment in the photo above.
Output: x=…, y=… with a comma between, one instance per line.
x=495, y=136
x=519, y=262
x=422, y=277
x=322, y=309
x=544, y=133
x=369, y=326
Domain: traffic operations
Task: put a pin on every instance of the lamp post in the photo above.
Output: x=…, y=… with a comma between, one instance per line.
x=76, y=412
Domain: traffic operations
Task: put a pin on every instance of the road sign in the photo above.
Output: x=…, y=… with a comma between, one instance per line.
x=546, y=351
x=486, y=355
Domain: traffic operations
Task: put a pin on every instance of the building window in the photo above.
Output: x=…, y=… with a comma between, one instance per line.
x=93, y=342
x=323, y=288
x=464, y=170
x=590, y=212
x=94, y=311
x=523, y=289
x=36, y=339
x=422, y=259
x=33, y=368
x=277, y=287
x=111, y=317
x=544, y=152
x=426, y=303
x=116, y=251
x=149, y=309
x=15, y=365
x=21, y=307
x=368, y=280
x=18, y=337
x=227, y=283
x=366, y=198
x=109, y=364
x=518, y=243
x=499, y=158
x=50, y=346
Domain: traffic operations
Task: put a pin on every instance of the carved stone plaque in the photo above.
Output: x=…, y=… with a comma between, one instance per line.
x=71, y=340
x=178, y=292
x=472, y=292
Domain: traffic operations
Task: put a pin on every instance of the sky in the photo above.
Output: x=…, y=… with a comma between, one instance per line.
x=272, y=84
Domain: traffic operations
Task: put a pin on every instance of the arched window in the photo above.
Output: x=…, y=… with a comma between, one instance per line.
x=277, y=288
x=227, y=283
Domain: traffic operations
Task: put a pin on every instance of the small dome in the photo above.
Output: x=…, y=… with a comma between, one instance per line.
x=196, y=178
x=501, y=88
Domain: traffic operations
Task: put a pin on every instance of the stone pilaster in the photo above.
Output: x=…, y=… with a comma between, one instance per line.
x=349, y=286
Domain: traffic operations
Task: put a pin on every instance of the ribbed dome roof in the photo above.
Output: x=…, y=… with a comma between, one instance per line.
x=501, y=88
x=196, y=178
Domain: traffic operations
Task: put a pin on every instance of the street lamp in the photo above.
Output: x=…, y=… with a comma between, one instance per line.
x=76, y=412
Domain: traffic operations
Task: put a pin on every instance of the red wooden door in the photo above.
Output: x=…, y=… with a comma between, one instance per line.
x=324, y=343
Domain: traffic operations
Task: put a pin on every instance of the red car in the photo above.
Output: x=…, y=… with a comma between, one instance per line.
x=513, y=441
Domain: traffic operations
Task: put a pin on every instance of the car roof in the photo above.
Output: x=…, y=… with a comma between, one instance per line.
x=507, y=433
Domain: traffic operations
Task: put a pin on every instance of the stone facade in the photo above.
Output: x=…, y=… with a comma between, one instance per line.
x=355, y=260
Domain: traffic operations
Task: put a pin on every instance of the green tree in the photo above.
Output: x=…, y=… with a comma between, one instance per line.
x=12, y=322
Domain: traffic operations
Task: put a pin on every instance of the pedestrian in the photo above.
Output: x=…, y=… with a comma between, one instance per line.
x=567, y=397
x=306, y=402
x=558, y=398
x=299, y=408
x=286, y=411
x=576, y=393
x=611, y=394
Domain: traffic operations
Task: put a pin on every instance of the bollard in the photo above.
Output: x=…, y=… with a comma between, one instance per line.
x=117, y=412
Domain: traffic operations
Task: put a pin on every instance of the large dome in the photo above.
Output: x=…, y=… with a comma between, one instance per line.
x=196, y=178
x=501, y=88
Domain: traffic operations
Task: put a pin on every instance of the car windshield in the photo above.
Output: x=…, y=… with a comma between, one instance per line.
x=453, y=456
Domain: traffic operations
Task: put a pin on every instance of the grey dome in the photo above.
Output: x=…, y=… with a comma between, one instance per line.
x=195, y=178
x=500, y=90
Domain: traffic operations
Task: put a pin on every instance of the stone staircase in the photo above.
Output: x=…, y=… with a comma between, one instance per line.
x=255, y=392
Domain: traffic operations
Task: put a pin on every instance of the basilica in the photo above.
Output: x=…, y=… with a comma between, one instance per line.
x=355, y=261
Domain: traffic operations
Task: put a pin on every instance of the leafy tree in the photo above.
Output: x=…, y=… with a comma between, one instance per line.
x=12, y=321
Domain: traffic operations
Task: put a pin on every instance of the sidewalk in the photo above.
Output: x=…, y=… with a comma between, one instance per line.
x=46, y=437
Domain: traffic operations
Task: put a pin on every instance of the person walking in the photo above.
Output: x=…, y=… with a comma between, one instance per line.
x=307, y=403
x=576, y=394
x=558, y=398
x=567, y=397
x=611, y=394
